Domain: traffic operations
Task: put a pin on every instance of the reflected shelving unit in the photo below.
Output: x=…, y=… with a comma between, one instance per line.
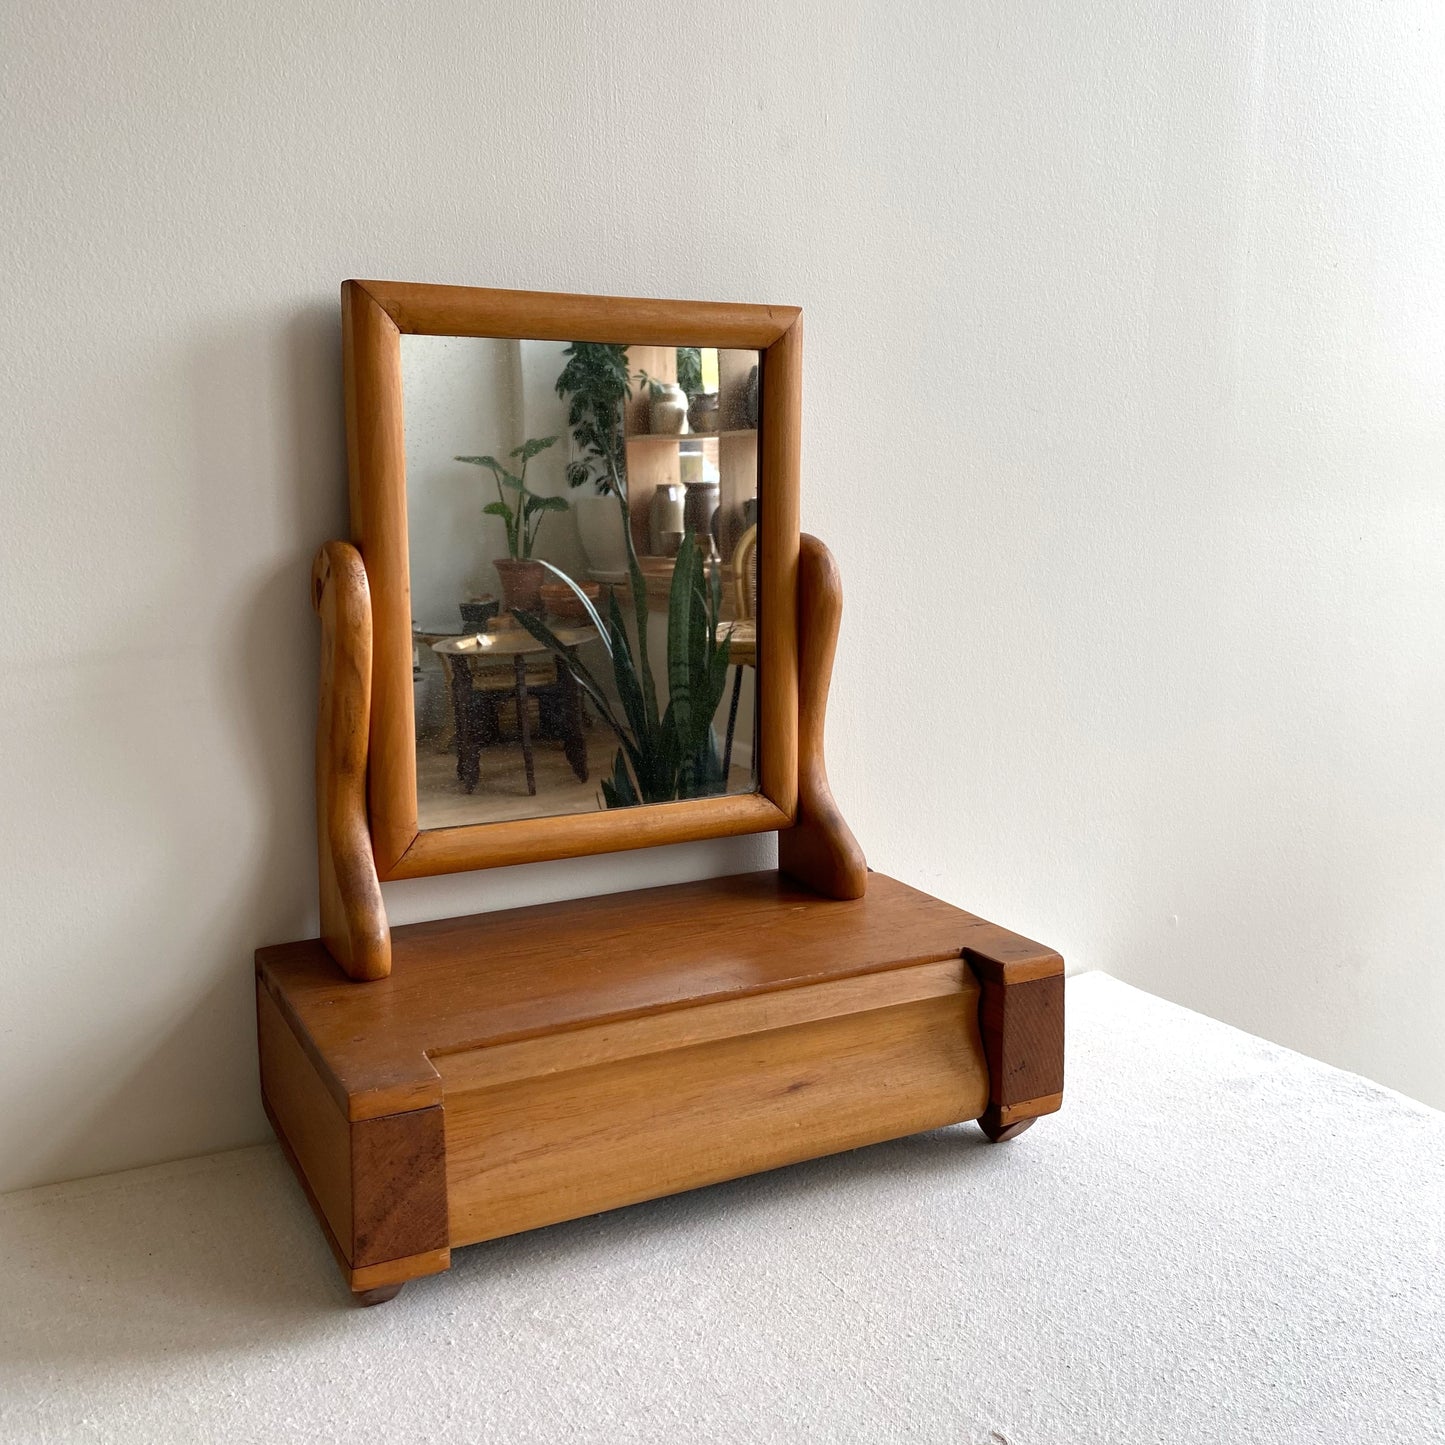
x=655, y=458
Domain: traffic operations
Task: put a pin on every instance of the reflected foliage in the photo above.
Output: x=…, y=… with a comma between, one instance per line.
x=523, y=515
x=596, y=382
x=672, y=755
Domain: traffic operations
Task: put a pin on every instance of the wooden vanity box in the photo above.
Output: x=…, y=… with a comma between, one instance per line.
x=634, y=1045
x=445, y=1083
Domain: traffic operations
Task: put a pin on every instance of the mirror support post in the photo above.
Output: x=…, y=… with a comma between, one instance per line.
x=353, y=915
x=820, y=850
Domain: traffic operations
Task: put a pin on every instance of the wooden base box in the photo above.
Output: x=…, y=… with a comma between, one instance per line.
x=516, y=1069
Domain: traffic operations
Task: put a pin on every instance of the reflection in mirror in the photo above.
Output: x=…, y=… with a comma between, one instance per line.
x=582, y=529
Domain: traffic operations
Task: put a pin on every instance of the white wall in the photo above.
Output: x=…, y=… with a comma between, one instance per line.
x=1125, y=402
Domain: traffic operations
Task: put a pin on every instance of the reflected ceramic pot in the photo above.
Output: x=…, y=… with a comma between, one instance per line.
x=667, y=413
x=702, y=412
x=701, y=506
x=521, y=583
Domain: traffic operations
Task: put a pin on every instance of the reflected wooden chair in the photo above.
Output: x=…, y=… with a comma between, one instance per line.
x=742, y=631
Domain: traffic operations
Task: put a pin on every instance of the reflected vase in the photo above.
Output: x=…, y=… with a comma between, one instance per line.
x=702, y=412
x=701, y=506
x=667, y=413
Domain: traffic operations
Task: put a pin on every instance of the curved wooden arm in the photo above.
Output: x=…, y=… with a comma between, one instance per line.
x=353, y=916
x=820, y=850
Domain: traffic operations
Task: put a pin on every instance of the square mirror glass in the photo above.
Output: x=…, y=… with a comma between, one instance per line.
x=583, y=542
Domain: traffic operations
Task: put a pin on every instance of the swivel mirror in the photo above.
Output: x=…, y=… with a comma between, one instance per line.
x=579, y=519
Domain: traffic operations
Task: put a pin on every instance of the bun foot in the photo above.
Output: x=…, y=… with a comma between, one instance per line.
x=378, y=1296
x=995, y=1131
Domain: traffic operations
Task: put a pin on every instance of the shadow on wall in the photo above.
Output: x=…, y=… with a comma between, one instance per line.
x=204, y=761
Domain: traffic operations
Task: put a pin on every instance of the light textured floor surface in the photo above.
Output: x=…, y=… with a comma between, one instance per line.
x=1216, y=1241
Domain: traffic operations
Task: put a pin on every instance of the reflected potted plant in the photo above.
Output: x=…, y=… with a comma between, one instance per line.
x=702, y=408
x=521, y=575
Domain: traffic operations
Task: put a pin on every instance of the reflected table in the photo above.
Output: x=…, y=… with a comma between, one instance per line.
x=486, y=669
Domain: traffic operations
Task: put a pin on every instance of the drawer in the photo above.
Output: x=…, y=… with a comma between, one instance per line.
x=563, y=1125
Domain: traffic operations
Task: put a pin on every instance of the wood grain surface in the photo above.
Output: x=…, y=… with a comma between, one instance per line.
x=398, y=1186
x=1021, y=1016
x=537, y=1150
x=309, y=1120
x=820, y=849
x=376, y=456
x=524, y=840
x=681, y=1028
x=780, y=450
x=353, y=915
x=464, y=982
x=378, y=1185
x=528, y=1066
x=429, y=310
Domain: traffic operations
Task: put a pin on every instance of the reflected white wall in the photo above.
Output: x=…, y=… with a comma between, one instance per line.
x=476, y=396
x=460, y=397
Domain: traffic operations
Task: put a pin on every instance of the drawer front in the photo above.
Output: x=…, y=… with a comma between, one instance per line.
x=553, y=1128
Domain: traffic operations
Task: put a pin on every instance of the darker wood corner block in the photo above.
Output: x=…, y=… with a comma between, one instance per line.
x=377, y=1185
x=399, y=1186
x=1021, y=1018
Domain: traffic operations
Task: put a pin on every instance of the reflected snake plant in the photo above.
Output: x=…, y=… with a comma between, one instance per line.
x=668, y=754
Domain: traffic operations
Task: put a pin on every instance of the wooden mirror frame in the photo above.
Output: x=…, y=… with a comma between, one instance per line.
x=375, y=315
